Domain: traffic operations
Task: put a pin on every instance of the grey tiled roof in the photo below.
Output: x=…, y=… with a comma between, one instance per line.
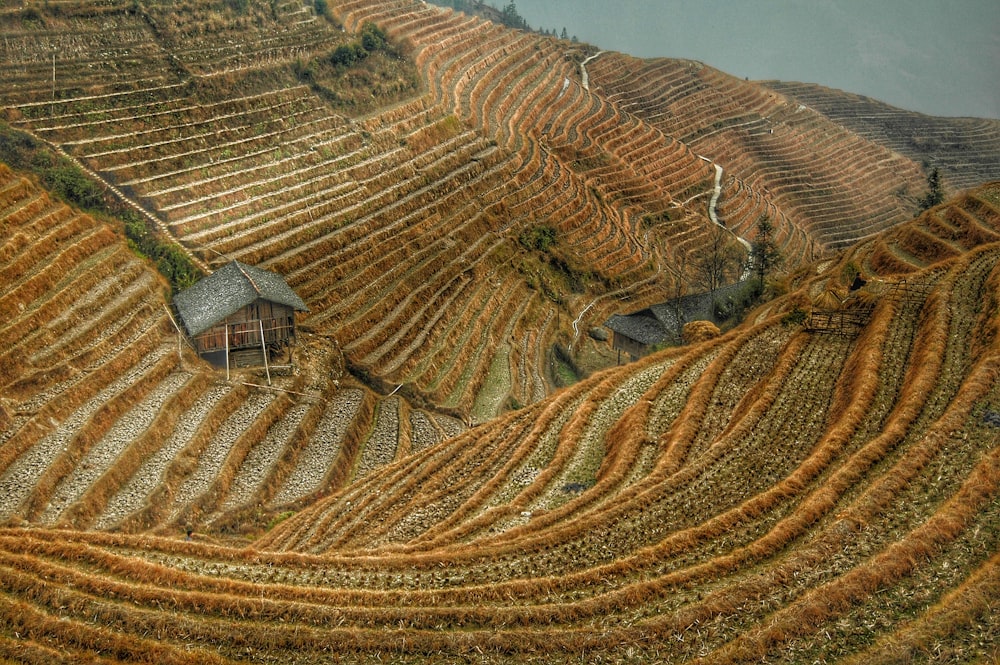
x=227, y=290
x=658, y=323
x=643, y=329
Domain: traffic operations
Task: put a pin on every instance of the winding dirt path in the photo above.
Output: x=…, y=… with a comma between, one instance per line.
x=716, y=193
x=583, y=71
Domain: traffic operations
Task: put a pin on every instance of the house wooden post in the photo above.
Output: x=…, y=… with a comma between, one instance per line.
x=179, y=334
x=263, y=347
x=241, y=297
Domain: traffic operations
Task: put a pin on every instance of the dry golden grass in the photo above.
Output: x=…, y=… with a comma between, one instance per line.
x=972, y=602
x=700, y=331
x=762, y=489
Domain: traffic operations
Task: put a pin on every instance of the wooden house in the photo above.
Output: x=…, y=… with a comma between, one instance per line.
x=637, y=334
x=240, y=315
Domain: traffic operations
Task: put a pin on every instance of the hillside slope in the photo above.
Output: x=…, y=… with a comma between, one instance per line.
x=820, y=483
x=781, y=492
x=108, y=421
x=822, y=185
x=965, y=150
x=406, y=222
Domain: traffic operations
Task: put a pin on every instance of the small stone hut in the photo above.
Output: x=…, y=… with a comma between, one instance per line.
x=240, y=315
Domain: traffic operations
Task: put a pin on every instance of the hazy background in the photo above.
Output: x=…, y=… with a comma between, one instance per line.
x=931, y=56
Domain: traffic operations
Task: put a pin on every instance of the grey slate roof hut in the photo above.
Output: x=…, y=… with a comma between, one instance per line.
x=636, y=334
x=240, y=315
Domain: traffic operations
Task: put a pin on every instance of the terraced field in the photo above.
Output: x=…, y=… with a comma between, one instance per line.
x=828, y=187
x=818, y=484
x=773, y=493
x=401, y=227
x=965, y=150
x=109, y=422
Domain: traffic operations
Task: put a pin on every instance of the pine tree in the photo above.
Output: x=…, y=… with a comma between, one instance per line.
x=511, y=18
x=766, y=256
x=935, y=191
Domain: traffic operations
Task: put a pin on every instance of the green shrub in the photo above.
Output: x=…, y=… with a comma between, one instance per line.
x=279, y=518
x=373, y=38
x=796, y=317
x=346, y=55
x=304, y=71
x=31, y=15
x=849, y=272
x=170, y=260
x=64, y=179
x=734, y=305
x=70, y=184
x=565, y=370
x=539, y=238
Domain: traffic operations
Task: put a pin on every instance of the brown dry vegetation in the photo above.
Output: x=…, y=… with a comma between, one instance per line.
x=779, y=492
x=382, y=220
x=753, y=496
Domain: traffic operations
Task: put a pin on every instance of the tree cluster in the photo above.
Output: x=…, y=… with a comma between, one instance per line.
x=719, y=261
x=511, y=18
x=538, y=238
x=508, y=15
x=373, y=39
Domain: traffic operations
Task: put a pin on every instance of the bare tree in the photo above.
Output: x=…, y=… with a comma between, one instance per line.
x=718, y=260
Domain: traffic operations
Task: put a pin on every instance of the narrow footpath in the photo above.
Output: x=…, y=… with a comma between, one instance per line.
x=583, y=71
